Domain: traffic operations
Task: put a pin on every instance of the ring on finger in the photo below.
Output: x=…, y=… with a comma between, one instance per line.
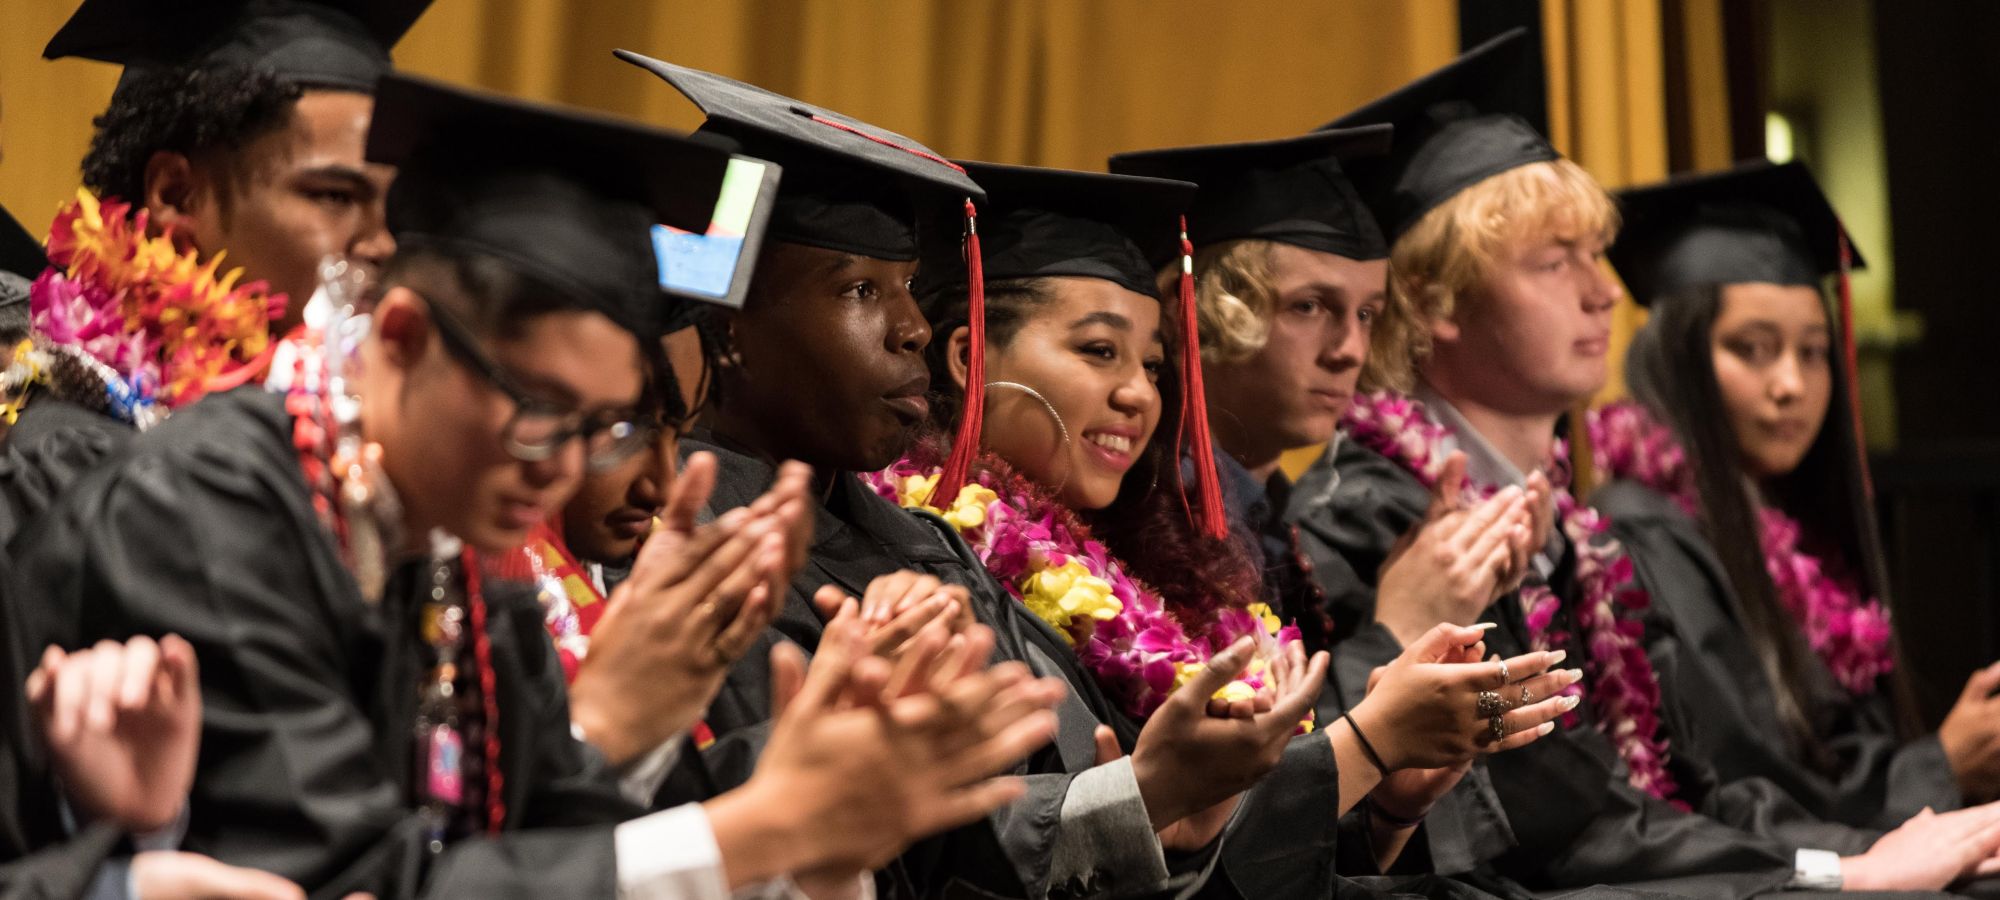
x=1499, y=728
x=1490, y=704
x=1505, y=677
x=1527, y=696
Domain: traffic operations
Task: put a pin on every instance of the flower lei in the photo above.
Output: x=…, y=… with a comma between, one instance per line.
x=1137, y=649
x=1624, y=691
x=163, y=327
x=1849, y=631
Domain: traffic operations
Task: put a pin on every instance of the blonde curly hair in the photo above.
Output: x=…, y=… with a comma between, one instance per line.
x=1450, y=251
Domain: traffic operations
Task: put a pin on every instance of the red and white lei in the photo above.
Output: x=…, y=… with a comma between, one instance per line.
x=1608, y=608
x=1849, y=631
x=1138, y=650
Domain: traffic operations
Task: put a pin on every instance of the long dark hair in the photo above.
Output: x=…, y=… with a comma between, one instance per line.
x=1147, y=526
x=1671, y=370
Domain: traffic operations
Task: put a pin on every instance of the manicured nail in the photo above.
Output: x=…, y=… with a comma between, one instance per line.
x=1545, y=728
x=1556, y=657
x=1485, y=626
x=1570, y=702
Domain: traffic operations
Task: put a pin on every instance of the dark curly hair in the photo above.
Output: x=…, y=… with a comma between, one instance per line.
x=1147, y=526
x=195, y=110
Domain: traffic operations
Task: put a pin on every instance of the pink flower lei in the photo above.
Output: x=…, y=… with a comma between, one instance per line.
x=1137, y=649
x=1850, y=632
x=1624, y=691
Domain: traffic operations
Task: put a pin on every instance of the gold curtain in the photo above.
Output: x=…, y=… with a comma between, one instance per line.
x=1047, y=82
x=1041, y=82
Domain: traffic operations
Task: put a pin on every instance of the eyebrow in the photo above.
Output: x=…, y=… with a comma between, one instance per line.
x=1103, y=318
x=354, y=177
x=839, y=264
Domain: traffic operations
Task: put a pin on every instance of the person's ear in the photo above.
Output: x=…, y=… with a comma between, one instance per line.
x=178, y=195
x=403, y=326
x=958, y=354
x=1444, y=329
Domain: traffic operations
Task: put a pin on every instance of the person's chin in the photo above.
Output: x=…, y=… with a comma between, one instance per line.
x=495, y=537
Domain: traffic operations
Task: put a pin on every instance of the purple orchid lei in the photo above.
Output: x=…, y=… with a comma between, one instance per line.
x=1850, y=632
x=1138, y=650
x=1623, y=689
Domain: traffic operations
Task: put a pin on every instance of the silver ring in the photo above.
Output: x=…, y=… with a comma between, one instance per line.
x=1490, y=704
x=1527, y=696
x=1505, y=676
x=1499, y=728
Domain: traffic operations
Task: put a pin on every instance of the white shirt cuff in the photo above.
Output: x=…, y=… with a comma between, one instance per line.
x=1815, y=870
x=672, y=855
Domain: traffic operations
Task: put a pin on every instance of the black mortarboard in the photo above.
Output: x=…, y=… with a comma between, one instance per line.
x=565, y=196
x=334, y=44
x=1454, y=128
x=1039, y=223
x=849, y=186
x=1757, y=222
x=1292, y=190
x=21, y=260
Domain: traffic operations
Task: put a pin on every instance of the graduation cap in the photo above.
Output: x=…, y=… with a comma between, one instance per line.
x=1055, y=222
x=1455, y=127
x=568, y=197
x=1757, y=222
x=849, y=186
x=340, y=44
x=1292, y=191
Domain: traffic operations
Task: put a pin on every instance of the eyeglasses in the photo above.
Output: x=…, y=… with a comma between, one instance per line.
x=538, y=428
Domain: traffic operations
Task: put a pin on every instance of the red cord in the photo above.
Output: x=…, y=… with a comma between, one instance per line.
x=1212, y=519
x=913, y=151
x=482, y=654
x=971, y=421
x=1853, y=377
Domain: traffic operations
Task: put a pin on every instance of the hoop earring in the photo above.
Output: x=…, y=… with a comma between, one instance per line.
x=1062, y=428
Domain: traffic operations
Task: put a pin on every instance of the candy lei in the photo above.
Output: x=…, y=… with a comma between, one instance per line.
x=157, y=327
x=1138, y=650
x=354, y=502
x=1623, y=689
x=1850, y=632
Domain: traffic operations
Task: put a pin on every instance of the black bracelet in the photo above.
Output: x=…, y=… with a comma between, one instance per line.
x=1366, y=747
x=1376, y=812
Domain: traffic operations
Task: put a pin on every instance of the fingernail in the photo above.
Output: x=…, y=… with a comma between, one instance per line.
x=1545, y=728
x=1575, y=675
x=732, y=518
x=1556, y=657
x=1569, y=703
x=1485, y=626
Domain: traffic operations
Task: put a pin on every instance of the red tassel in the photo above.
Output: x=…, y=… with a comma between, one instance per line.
x=1853, y=376
x=1212, y=519
x=972, y=419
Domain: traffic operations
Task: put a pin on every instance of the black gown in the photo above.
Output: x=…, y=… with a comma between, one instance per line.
x=38, y=859
x=53, y=443
x=1558, y=814
x=1719, y=699
x=205, y=528
x=1281, y=843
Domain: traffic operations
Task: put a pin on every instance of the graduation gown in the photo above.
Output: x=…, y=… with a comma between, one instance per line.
x=206, y=528
x=1559, y=813
x=1720, y=701
x=858, y=536
x=49, y=446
